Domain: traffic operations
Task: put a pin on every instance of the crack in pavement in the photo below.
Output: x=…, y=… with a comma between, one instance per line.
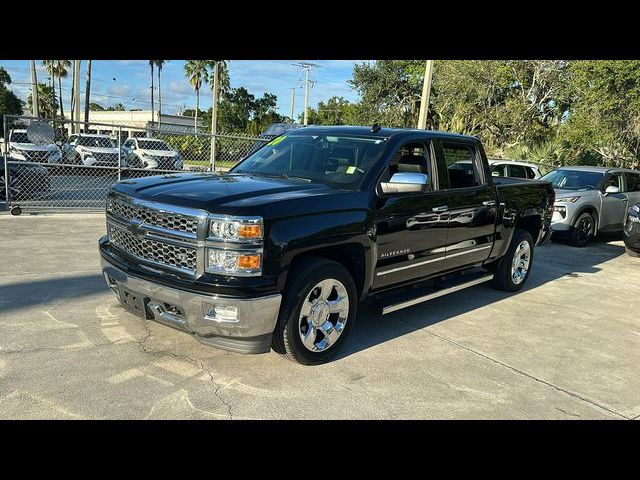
x=198, y=363
x=521, y=372
x=567, y=413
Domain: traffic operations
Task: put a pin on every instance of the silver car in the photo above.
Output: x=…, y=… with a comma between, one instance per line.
x=591, y=200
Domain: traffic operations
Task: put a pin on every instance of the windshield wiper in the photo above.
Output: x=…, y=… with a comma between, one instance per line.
x=276, y=175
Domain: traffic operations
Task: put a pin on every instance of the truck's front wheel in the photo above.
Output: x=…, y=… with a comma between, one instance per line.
x=318, y=311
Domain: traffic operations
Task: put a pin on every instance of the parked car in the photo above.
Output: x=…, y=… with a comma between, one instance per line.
x=591, y=200
x=513, y=168
x=503, y=168
x=151, y=154
x=21, y=148
x=92, y=150
x=632, y=230
x=26, y=181
x=280, y=251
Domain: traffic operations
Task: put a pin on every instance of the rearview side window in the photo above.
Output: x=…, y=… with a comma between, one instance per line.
x=633, y=182
x=462, y=165
x=517, y=171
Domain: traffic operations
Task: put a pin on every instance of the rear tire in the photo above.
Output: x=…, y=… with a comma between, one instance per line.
x=512, y=271
x=583, y=230
x=632, y=253
x=320, y=297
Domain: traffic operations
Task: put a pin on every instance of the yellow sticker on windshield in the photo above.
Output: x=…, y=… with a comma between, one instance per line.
x=351, y=169
x=277, y=140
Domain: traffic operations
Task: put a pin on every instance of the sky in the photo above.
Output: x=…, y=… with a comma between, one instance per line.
x=127, y=82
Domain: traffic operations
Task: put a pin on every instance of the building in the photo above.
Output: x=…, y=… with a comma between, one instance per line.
x=137, y=123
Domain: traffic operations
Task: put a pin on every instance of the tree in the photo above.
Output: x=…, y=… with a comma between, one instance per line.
x=335, y=112
x=10, y=104
x=96, y=107
x=197, y=73
x=46, y=101
x=59, y=69
x=116, y=108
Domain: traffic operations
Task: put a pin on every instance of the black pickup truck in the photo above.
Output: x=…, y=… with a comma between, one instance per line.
x=280, y=251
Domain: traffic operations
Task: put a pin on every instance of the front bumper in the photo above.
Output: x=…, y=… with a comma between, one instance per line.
x=632, y=236
x=564, y=223
x=248, y=331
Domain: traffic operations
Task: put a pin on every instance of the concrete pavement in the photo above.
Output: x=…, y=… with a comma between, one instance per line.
x=568, y=346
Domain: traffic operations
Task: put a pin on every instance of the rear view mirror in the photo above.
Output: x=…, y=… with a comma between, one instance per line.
x=611, y=189
x=406, y=182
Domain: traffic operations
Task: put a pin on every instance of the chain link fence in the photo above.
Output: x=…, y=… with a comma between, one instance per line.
x=74, y=165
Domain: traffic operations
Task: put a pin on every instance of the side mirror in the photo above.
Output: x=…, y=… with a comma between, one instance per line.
x=495, y=173
x=611, y=189
x=406, y=182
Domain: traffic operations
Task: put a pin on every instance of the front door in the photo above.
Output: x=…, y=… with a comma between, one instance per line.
x=471, y=203
x=614, y=205
x=411, y=228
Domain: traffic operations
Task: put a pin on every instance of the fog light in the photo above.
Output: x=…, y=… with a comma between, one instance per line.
x=221, y=313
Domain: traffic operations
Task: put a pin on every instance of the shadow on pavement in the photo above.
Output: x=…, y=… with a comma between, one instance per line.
x=550, y=263
x=28, y=293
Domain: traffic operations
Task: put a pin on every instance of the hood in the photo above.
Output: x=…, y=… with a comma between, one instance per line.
x=99, y=149
x=160, y=153
x=32, y=147
x=561, y=192
x=220, y=193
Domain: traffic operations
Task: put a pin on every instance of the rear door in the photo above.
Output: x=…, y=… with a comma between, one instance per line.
x=470, y=201
x=614, y=205
x=632, y=181
x=411, y=228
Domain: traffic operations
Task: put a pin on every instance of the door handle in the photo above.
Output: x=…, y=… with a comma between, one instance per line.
x=443, y=208
x=489, y=203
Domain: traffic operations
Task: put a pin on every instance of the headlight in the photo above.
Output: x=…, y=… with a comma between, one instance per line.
x=634, y=219
x=235, y=229
x=234, y=262
x=562, y=210
x=567, y=199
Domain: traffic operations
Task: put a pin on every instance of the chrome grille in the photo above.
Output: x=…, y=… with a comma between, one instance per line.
x=106, y=158
x=172, y=221
x=173, y=256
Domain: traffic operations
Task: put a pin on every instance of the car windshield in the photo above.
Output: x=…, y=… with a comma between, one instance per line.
x=19, y=137
x=153, y=145
x=95, y=142
x=335, y=160
x=574, y=179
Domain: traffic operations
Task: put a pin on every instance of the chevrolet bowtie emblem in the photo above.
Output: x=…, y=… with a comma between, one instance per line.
x=136, y=228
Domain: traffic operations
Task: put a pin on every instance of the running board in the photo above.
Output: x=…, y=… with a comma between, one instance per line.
x=392, y=307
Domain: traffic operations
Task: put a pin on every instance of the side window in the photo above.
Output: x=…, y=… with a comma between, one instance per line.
x=633, y=182
x=530, y=172
x=615, y=180
x=411, y=157
x=499, y=170
x=461, y=165
x=517, y=171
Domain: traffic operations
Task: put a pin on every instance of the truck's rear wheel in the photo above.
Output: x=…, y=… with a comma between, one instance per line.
x=318, y=311
x=512, y=270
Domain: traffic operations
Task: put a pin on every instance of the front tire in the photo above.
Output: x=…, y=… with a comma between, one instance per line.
x=512, y=270
x=583, y=230
x=318, y=310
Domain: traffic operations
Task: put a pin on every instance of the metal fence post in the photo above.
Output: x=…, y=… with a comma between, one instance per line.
x=213, y=151
x=7, y=190
x=119, y=153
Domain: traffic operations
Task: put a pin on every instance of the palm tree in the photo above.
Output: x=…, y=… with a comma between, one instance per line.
x=197, y=73
x=151, y=64
x=60, y=70
x=159, y=64
x=49, y=66
x=223, y=85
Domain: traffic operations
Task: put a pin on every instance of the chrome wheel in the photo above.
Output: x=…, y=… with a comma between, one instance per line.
x=520, y=264
x=14, y=188
x=323, y=315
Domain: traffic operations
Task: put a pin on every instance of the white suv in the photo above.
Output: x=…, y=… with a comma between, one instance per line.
x=512, y=168
x=21, y=148
x=151, y=154
x=92, y=150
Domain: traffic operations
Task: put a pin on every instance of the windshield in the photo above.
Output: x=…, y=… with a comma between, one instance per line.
x=153, y=145
x=339, y=161
x=95, y=142
x=19, y=137
x=574, y=179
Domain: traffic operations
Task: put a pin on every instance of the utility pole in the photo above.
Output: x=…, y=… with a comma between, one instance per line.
x=75, y=97
x=87, y=96
x=214, y=113
x=307, y=67
x=35, y=111
x=424, y=99
x=293, y=101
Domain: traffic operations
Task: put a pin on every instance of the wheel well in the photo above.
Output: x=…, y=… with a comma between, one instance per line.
x=532, y=224
x=350, y=256
x=593, y=211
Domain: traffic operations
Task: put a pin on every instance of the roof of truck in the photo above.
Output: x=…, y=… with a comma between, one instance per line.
x=367, y=131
